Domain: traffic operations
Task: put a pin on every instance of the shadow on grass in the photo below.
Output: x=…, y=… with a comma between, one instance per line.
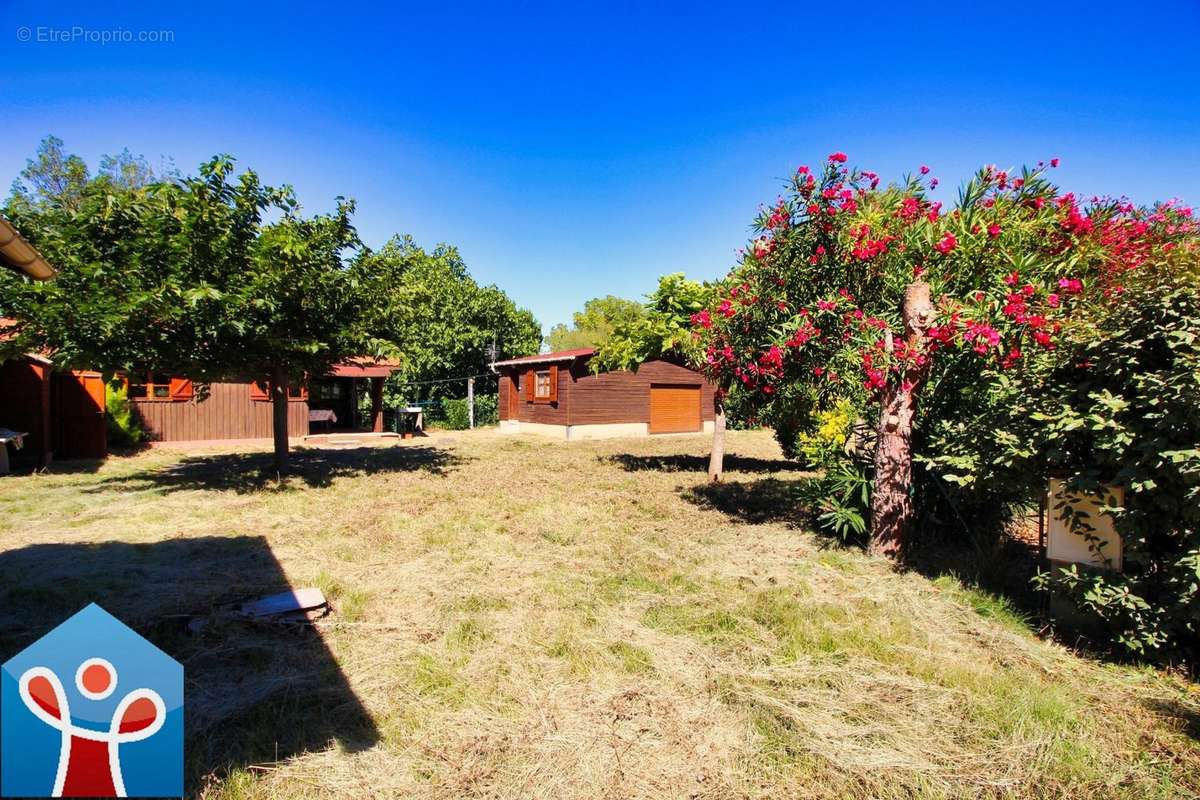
x=25, y=464
x=1185, y=718
x=314, y=467
x=254, y=693
x=689, y=463
x=756, y=502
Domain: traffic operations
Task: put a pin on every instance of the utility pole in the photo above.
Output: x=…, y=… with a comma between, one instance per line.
x=471, y=403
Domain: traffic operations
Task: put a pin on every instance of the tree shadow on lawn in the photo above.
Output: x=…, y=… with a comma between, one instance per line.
x=757, y=502
x=1185, y=717
x=314, y=467
x=254, y=692
x=28, y=465
x=691, y=463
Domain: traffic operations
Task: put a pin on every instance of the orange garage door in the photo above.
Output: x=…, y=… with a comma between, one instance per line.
x=674, y=409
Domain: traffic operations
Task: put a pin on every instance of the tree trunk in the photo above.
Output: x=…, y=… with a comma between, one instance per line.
x=716, y=460
x=891, y=497
x=279, y=418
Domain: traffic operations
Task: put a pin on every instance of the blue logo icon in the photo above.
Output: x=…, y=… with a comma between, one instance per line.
x=91, y=710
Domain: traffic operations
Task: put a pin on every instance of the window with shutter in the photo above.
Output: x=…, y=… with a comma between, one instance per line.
x=541, y=385
x=181, y=389
x=158, y=386
x=260, y=391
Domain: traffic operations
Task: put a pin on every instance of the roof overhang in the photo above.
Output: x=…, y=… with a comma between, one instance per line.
x=20, y=255
x=366, y=369
x=545, y=358
x=8, y=332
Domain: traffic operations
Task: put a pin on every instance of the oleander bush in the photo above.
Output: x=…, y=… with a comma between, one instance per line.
x=946, y=343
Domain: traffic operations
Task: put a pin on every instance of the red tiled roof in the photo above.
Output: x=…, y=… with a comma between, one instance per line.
x=362, y=367
x=8, y=331
x=540, y=358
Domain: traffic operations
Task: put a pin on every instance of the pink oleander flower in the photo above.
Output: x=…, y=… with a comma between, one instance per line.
x=947, y=243
x=839, y=157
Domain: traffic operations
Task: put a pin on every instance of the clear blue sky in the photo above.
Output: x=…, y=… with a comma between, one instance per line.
x=572, y=153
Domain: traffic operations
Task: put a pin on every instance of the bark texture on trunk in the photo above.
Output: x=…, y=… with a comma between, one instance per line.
x=279, y=417
x=891, y=497
x=716, y=459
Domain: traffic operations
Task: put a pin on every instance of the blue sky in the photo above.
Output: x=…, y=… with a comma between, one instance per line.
x=572, y=153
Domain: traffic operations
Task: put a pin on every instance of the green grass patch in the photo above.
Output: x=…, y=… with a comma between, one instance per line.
x=631, y=658
x=349, y=604
x=984, y=603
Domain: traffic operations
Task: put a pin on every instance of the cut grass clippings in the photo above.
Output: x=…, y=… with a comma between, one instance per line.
x=514, y=617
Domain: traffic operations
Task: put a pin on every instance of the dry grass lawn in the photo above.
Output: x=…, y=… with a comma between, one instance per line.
x=517, y=618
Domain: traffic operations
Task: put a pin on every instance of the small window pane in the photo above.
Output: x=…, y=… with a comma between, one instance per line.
x=542, y=384
x=137, y=390
x=162, y=390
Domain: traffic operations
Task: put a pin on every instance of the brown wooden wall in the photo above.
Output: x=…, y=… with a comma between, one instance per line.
x=78, y=408
x=227, y=413
x=25, y=404
x=585, y=398
x=506, y=386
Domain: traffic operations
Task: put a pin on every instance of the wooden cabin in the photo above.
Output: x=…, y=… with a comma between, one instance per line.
x=172, y=408
x=557, y=394
x=61, y=413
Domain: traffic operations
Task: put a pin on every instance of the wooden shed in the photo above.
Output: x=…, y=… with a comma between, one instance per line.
x=61, y=412
x=557, y=394
x=172, y=408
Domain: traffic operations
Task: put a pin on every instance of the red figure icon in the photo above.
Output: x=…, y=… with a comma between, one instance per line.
x=89, y=763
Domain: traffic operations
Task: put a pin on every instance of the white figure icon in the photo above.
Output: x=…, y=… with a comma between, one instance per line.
x=89, y=762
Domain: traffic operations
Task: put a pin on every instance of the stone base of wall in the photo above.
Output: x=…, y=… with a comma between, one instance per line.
x=576, y=432
x=598, y=431
x=609, y=431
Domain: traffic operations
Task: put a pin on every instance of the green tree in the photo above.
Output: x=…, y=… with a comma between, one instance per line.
x=444, y=322
x=127, y=170
x=52, y=178
x=596, y=323
x=212, y=276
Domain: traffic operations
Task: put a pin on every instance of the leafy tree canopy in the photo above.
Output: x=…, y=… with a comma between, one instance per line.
x=440, y=317
x=595, y=324
x=51, y=178
x=663, y=328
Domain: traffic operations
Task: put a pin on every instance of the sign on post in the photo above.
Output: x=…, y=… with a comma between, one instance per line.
x=1075, y=544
